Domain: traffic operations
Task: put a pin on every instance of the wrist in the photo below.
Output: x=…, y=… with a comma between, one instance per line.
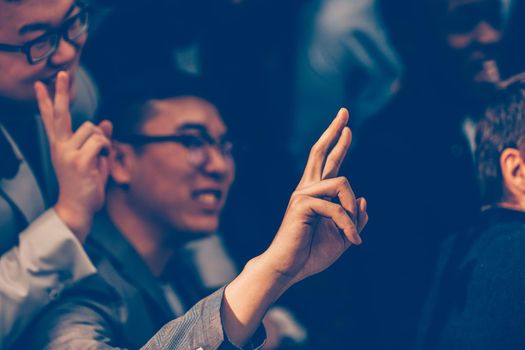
x=249, y=296
x=261, y=271
x=76, y=220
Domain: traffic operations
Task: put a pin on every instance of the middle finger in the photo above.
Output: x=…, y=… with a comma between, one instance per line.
x=318, y=154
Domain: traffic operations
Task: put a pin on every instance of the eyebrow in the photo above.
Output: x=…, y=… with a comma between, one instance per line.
x=202, y=129
x=40, y=26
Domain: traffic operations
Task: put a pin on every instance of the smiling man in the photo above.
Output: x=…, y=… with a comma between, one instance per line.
x=41, y=233
x=171, y=168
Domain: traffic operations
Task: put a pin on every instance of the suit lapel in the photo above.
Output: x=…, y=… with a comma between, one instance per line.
x=23, y=189
x=129, y=263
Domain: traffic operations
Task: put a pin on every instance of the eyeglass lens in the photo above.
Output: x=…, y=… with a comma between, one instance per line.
x=197, y=156
x=47, y=44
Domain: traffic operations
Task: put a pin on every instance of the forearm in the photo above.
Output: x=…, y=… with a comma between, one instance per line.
x=248, y=297
x=31, y=274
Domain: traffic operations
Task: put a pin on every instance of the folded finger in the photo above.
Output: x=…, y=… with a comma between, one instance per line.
x=335, y=188
x=338, y=215
x=92, y=150
x=83, y=133
x=363, y=215
x=106, y=127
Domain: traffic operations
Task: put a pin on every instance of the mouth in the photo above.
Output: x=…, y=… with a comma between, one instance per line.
x=208, y=199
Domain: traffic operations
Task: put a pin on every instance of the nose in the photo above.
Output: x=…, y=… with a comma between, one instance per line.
x=218, y=165
x=65, y=53
x=485, y=33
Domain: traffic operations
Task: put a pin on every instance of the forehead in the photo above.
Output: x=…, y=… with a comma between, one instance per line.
x=15, y=15
x=172, y=115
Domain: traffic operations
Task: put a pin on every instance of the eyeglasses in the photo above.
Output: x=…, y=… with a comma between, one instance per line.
x=41, y=48
x=198, y=147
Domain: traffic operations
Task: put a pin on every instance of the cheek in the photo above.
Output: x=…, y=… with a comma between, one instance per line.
x=169, y=183
x=17, y=77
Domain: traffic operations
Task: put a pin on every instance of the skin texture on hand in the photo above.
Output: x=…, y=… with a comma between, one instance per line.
x=78, y=158
x=322, y=220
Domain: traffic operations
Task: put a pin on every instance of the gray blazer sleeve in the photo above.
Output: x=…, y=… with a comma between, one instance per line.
x=81, y=325
x=46, y=260
x=200, y=328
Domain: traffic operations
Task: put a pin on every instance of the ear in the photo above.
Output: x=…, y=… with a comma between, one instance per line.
x=513, y=171
x=121, y=163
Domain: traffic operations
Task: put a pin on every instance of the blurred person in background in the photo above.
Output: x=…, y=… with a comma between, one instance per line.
x=344, y=56
x=419, y=161
x=477, y=300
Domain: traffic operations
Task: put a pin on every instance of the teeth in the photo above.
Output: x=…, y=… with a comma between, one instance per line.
x=207, y=198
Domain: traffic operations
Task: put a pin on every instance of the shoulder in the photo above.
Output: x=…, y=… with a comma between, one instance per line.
x=86, y=312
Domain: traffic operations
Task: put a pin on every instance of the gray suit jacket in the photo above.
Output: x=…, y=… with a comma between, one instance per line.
x=38, y=260
x=123, y=306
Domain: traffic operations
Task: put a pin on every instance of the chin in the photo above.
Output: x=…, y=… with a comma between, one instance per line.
x=203, y=226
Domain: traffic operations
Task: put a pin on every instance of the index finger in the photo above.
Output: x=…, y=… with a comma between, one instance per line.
x=337, y=155
x=318, y=154
x=62, y=118
x=46, y=109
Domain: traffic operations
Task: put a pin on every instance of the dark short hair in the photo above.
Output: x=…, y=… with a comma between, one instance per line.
x=128, y=106
x=503, y=126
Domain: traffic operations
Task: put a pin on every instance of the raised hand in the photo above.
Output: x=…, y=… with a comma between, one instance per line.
x=322, y=220
x=323, y=217
x=78, y=158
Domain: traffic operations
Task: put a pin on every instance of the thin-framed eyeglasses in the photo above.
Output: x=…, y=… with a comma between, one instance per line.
x=41, y=48
x=198, y=147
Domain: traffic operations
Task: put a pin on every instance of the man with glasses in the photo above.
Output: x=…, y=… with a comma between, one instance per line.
x=171, y=167
x=40, y=250
x=315, y=230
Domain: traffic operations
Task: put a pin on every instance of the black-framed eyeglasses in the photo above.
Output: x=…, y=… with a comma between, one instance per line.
x=198, y=146
x=41, y=48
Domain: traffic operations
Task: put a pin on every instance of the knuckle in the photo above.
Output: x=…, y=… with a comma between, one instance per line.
x=88, y=125
x=93, y=129
x=341, y=180
x=316, y=149
x=295, y=198
x=298, y=200
x=339, y=210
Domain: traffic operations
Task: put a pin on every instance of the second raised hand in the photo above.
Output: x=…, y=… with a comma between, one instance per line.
x=323, y=217
x=78, y=157
x=322, y=220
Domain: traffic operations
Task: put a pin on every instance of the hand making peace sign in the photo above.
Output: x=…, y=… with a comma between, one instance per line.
x=78, y=157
